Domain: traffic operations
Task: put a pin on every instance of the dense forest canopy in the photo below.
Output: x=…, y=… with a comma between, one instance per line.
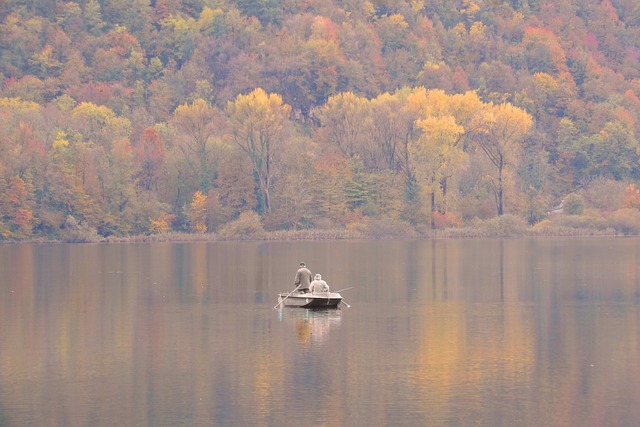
x=139, y=117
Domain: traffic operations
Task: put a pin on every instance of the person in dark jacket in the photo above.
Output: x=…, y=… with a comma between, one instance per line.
x=303, y=278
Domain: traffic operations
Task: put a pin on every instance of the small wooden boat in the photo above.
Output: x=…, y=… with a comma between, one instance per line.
x=310, y=300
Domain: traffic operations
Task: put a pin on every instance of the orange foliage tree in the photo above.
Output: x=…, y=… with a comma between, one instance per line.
x=16, y=207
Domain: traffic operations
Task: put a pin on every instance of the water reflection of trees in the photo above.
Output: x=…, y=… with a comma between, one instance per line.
x=550, y=328
x=509, y=321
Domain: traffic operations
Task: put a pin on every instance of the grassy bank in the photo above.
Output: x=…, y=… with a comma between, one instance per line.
x=506, y=226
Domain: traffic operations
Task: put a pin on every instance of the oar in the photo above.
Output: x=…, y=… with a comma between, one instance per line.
x=342, y=301
x=345, y=289
x=287, y=296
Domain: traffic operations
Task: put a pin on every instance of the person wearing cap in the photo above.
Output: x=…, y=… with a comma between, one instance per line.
x=303, y=278
x=318, y=285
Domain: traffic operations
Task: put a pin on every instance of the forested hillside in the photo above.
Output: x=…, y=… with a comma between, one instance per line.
x=135, y=117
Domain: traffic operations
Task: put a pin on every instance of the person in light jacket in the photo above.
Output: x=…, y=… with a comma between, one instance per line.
x=303, y=278
x=318, y=285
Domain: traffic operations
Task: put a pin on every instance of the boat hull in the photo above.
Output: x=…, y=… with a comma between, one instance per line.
x=308, y=300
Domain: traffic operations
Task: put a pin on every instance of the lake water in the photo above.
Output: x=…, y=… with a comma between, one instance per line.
x=542, y=332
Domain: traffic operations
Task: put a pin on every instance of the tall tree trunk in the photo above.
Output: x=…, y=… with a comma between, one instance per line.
x=500, y=169
x=443, y=187
x=267, y=175
x=433, y=203
x=260, y=193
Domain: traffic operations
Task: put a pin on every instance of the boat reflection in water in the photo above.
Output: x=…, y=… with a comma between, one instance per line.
x=312, y=326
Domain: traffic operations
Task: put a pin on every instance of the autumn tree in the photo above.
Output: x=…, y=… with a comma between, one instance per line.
x=504, y=129
x=305, y=65
x=466, y=110
x=150, y=155
x=111, y=111
x=373, y=194
x=199, y=127
x=386, y=130
x=99, y=124
x=90, y=172
x=611, y=152
x=235, y=188
x=445, y=124
x=328, y=180
x=543, y=51
x=414, y=102
x=258, y=124
x=120, y=197
x=74, y=177
x=436, y=155
x=16, y=209
x=294, y=202
x=177, y=37
x=198, y=213
x=632, y=197
x=342, y=123
x=615, y=151
x=535, y=176
x=363, y=69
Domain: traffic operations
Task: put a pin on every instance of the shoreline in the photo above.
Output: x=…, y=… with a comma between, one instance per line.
x=327, y=235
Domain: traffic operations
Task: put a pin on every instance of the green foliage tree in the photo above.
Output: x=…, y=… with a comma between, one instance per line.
x=267, y=11
x=616, y=151
x=573, y=204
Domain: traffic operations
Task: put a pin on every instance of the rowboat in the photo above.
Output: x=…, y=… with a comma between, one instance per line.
x=310, y=300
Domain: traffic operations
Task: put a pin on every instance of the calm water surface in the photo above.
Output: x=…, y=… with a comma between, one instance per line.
x=441, y=333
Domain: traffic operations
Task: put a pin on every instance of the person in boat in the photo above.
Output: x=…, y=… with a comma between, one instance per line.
x=303, y=278
x=318, y=285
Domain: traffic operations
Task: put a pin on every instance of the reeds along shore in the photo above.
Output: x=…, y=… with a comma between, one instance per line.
x=507, y=226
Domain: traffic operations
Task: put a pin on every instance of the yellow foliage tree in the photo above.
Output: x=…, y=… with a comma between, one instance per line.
x=435, y=155
x=99, y=123
x=505, y=126
x=258, y=122
x=161, y=225
x=445, y=123
x=198, y=213
x=343, y=120
x=386, y=130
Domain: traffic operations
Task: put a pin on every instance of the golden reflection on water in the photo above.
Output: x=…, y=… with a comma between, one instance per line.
x=464, y=351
